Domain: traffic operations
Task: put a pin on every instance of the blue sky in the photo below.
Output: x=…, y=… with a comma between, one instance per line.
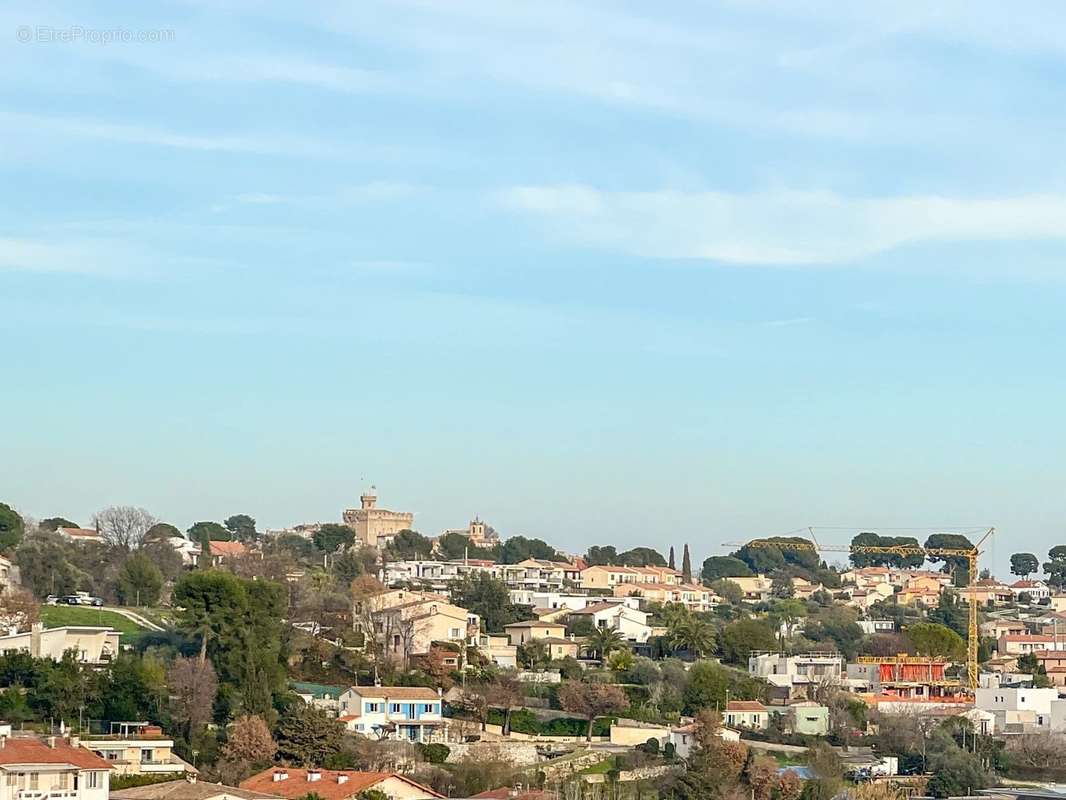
x=598, y=273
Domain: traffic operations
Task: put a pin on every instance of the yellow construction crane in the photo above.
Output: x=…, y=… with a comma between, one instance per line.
x=971, y=556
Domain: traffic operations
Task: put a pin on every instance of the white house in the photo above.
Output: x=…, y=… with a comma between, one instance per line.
x=683, y=737
x=574, y=602
x=189, y=550
x=411, y=713
x=1027, y=708
x=872, y=626
x=630, y=623
x=51, y=768
x=747, y=714
x=91, y=644
x=1037, y=590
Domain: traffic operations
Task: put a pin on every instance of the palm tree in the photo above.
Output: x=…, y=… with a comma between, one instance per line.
x=603, y=641
x=693, y=634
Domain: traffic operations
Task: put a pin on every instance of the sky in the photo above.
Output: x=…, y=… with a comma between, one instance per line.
x=599, y=272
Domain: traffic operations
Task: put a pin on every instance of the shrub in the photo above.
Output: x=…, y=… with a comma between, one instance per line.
x=435, y=753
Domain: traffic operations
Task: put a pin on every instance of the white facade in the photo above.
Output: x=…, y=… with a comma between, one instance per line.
x=1037, y=590
x=1024, y=707
x=574, y=602
x=50, y=769
x=90, y=644
x=630, y=623
x=393, y=712
x=803, y=669
x=872, y=626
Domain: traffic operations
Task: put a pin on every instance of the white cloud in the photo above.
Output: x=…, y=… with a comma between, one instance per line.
x=780, y=227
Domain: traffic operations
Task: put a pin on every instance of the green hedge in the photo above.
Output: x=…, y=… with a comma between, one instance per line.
x=524, y=721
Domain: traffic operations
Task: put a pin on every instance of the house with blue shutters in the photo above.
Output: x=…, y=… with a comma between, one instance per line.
x=407, y=713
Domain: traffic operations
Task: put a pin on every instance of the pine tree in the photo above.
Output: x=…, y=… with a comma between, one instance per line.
x=686, y=566
x=671, y=561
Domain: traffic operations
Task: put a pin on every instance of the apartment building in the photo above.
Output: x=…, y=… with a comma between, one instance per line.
x=601, y=577
x=536, y=574
x=904, y=677
x=798, y=675
x=698, y=598
x=50, y=768
x=1022, y=644
x=568, y=600
x=405, y=713
x=137, y=748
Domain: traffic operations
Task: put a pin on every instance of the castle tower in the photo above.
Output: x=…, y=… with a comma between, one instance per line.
x=369, y=498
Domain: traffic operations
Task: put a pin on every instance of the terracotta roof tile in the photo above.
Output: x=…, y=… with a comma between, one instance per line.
x=31, y=750
x=328, y=786
x=397, y=692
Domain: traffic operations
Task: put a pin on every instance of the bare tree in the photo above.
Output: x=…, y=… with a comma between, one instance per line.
x=506, y=692
x=193, y=686
x=123, y=526
x=248, y=740
x=18, y=609
x=1037, y=749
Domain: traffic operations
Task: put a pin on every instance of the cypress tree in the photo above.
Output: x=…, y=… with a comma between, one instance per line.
x=686, y=566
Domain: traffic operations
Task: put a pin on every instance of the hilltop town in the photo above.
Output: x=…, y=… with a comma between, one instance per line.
x=361, y=658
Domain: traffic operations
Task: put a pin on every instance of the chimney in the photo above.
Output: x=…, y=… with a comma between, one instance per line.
x=280, y=775
x=342, y=778
x=51, y=740
x=313, y=775
x=75, y=740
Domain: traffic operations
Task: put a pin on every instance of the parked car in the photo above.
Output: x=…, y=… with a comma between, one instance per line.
x=70, y=600
x=51, y=600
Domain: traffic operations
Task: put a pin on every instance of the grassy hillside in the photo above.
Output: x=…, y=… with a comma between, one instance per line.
x=57, y=616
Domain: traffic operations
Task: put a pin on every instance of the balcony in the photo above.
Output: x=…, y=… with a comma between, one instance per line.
x=47, y=794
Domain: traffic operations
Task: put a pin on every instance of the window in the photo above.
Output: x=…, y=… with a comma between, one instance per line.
x=373, y=707
x=146, y=755
x=92, y=780
x=427, y=708
x=35, y=778
x=394, y=708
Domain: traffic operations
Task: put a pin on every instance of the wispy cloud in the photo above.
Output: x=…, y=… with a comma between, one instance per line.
x=779, y=227
x=22, y=125
x=102, y=257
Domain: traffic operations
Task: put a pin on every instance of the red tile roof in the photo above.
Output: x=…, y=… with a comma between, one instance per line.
x=328, y=786
x=744, y=705
x=228, y=549
x=31, y=750
x=397, y=692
